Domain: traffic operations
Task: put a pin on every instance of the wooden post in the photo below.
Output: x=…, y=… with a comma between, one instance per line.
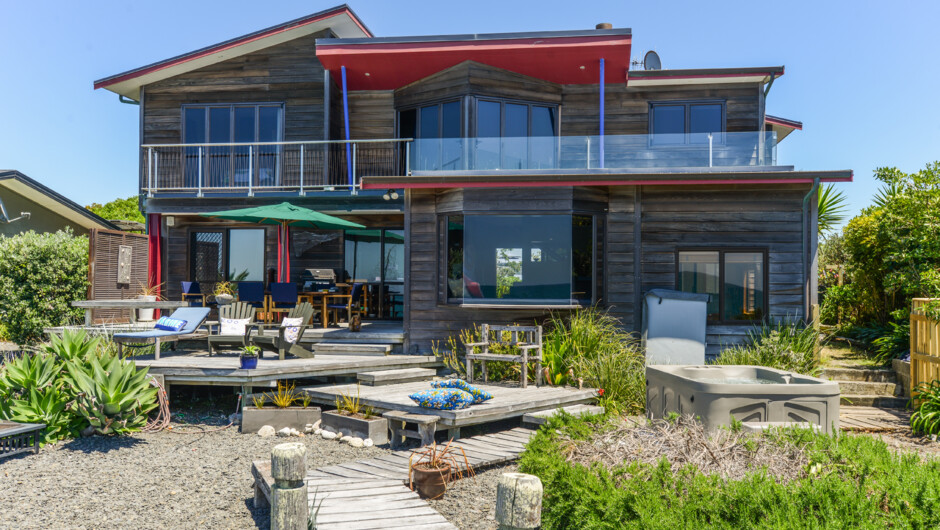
x=289, y=506
x=518, y=501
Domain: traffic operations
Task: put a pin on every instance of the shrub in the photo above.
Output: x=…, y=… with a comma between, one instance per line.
x=784, y=345
x=926, y=418
x=40, y=275
x=849, y=482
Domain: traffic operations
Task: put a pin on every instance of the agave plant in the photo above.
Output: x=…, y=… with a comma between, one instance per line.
x=113, y=396
x=48, y=406
x=20, y=375
x=72, y=345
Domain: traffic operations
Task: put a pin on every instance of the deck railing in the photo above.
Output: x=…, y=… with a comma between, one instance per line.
x=925, y=343
x=630, y=151
x=250, y=168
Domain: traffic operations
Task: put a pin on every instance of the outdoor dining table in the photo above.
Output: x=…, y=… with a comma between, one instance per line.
x=132, y=304
x=325, y=297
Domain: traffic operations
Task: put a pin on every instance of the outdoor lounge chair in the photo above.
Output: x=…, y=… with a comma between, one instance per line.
x=239, y=310
x=194, y=317
x=279, y=343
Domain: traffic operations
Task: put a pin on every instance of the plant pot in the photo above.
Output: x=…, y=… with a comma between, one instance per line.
x=146, y=315
x=430, y=483
x=224, y=299
x=294, y=417
x=247, y=363
x=375, y=428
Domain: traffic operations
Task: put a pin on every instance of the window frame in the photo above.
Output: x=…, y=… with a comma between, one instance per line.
x=687, y=103
x=444, y=250
x=231, y=106
x=765, y=278
x=226, y=243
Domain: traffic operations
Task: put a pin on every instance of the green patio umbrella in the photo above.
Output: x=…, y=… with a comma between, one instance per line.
x=284, y=215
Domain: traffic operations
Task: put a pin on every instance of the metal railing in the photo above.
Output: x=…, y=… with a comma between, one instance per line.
x=632, y=151
x=250, y=168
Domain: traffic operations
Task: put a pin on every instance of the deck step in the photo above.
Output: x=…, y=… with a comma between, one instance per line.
x=868, y=388
x=350, y=348
x=872, y=375
x=390, y=377
x=869, y=400
x=542, y=416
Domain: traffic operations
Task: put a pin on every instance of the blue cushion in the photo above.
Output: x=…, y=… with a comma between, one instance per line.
x=442, y=399
x=169, y=324
x=479, y=395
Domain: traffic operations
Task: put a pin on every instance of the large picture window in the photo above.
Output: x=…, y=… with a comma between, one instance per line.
x=520, y=259
x=514, y=135
x=231, y=166
x=440, y=122
x=231, y=254
x=736, y=281
x=680, y=123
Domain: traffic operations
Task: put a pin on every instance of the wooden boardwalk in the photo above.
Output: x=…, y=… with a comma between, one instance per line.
x=873, y=419
x=373, y=493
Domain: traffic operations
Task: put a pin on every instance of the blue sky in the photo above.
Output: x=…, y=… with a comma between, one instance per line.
x=862, y=76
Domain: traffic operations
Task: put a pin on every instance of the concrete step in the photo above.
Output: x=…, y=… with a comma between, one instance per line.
x=873, y=375
x=542, y=416
x=867, y=388
x=350, y=348
x=390, y=377
x=861, y=400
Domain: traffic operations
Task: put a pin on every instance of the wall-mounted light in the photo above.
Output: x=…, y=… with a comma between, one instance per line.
x=390, y=195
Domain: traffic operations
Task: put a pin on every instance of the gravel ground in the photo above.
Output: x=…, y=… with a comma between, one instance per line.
x=158, y=480
x=470, y=503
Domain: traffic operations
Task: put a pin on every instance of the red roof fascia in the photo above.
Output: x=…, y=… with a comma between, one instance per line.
x=541, y=184
x=563, y=60
x=229, y=45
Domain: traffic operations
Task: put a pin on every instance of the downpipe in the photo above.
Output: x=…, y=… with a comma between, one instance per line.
x=803, y=237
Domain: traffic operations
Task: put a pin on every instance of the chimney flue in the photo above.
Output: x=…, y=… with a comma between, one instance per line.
x=604, y=25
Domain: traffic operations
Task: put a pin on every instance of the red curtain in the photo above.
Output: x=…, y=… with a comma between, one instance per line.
x=154, y=256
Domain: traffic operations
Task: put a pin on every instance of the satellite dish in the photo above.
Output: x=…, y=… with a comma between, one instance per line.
x=651, y=61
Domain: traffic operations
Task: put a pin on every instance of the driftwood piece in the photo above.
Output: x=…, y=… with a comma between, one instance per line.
x=289, y=509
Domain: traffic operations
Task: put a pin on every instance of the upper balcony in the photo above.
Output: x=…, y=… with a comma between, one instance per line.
x=240, y=169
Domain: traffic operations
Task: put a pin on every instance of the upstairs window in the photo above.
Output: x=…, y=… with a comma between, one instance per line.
x=513, y=135
x=680, y=123
x=437, y=130
x=735, y=281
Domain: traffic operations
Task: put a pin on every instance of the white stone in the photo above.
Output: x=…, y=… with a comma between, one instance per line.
x=318, y=432
x=345, y=438
x=355, y=441
x=266, y=431
x=308, y=428
x=327, y=435
x=285, y=432
x=294, y=432
x=316, y=424
x=368, y=442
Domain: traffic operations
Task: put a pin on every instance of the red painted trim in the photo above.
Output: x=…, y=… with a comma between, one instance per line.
x=500, y=44
x=784, y=123
x=572, y=183
x=700, y=76
x=223, y=47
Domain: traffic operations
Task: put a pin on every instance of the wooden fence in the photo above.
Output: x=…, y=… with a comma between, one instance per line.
x=925, y=343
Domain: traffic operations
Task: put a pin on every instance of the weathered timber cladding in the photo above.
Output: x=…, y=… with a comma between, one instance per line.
x=288, y=73
x=668, y=219
x=371, y=115
x=103, y=251
x=626, y=110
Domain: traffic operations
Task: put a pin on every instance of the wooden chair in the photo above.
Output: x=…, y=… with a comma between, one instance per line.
x=283, y=298
x=352, y=306
x=253, y=294
x=239, y=310
x=526, y=339
x=279, y=343
x=193, y=294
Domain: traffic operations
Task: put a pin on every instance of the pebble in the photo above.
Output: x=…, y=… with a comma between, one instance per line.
x=355, y=441
x=368, y=442
x=327, y=435
x=266, y=431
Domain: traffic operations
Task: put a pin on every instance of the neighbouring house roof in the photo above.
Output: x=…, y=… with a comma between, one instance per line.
x=34, y=191
x=517, y=179
x=564, y=57
x=703, y=76
x=341, y=20
x=782, y=126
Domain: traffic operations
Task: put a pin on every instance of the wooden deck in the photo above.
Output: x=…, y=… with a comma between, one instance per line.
x=509, y=401
x=371, y=494
x=873, y=419
x=198, y=368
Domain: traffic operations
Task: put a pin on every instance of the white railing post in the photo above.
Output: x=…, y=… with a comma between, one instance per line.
x=150, y=172
x=199, y=178
x=301, y=169
x=588, y=152
x=251, y=172
x=355, y=177
x=408, y=158
x=156, y=169
x=709, y=149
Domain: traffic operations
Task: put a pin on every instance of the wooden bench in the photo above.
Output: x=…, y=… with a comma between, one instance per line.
x=526, y=339
x=398, y=422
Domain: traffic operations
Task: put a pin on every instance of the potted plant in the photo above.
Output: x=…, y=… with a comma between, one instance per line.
x=289, y=408
x=352, y=417
x=147, y=293
x=224, y=293
x=248, y=358
x=430, y=467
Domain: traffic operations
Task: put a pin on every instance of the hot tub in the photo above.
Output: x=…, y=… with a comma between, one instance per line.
x=715, y=394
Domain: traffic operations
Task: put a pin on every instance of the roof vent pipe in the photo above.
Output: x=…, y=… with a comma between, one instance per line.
x=604, y=25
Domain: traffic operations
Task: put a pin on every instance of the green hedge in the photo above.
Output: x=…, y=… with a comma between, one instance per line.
x=860, y=483
x=40, y=275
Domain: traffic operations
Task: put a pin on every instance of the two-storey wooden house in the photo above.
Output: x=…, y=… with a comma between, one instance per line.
x=500, y=176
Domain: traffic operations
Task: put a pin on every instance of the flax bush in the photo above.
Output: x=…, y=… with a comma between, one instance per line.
x=784, y=345
x=40, y=275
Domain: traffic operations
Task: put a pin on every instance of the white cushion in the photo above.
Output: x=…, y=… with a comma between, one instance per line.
x=233, y=326
x=292, y=328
